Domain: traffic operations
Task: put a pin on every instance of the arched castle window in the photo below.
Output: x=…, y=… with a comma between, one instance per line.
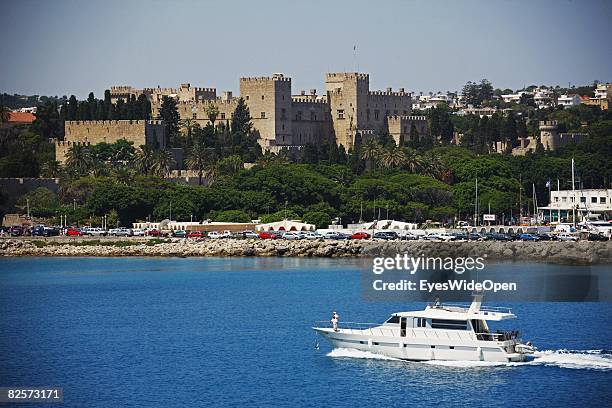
x=262, y=97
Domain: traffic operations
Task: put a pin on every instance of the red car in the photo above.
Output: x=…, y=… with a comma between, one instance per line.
x=155, y=233
x=268, y=235
x=195, y=234
x=73, y=232
x=360, y=235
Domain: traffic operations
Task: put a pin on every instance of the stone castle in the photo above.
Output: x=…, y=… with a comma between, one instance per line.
x=550, y=138
x=286, y=121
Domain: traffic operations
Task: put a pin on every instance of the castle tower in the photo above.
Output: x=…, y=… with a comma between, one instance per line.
x=269, y=102
x=347, y=93
x=548, y=134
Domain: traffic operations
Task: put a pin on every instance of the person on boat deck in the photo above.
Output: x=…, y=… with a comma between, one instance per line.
x=334, y=320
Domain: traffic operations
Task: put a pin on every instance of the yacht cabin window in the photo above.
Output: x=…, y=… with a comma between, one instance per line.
x=393, y=319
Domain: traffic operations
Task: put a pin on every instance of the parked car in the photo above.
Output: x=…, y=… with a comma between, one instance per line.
x=179, y=234
x=268, y=235
x=74, y=232
x=546, y=237
x=360, y=235
x=311, y=235
x=97, y=232
x=246, y=234
x=137, y=232
x=16, y=231
x=461, y=236
x=214, y=235
x=156, y=233
x=567, y=237
x=496, y=236
x=226, y=234
x=291, y=236
x=120, y=232
x=407, y=236
x=528, y=237
x=474, y=236
x=38, y=230
x=597, y=237
x=195, y=234
x=386, y=235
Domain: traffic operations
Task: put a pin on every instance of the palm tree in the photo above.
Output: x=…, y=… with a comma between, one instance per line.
x=198, y=158
x=188, y=125
x=51, y=169
x=144, y=160
x=79, y=159
x=414, y=161
x=212, y=111
x=123, y=175
x=162, y=162
x=370, y=151
x=393, y=156
x=433, y=165
x=98, y=168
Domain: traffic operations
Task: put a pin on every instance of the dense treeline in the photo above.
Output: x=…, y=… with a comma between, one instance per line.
x=104, y=109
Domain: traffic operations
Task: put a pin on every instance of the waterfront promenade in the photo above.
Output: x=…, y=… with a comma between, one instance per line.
x=582, y=252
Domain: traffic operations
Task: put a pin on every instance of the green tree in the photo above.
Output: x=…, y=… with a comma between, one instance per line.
x=163, y=162
x=318, y=218
x=199, y=158
x=144, y=160
x=212, y=111
x=241, y=120
x=79, y=159
x=392, y=157
x=370, y=152
x=169, y=114
x=231, y=216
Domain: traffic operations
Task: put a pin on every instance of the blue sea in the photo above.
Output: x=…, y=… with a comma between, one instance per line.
x=172, y=332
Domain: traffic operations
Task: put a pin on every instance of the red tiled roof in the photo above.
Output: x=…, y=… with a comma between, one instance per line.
x=21, y=117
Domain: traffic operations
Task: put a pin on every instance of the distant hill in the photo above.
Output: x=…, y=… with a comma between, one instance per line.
x=17, y=101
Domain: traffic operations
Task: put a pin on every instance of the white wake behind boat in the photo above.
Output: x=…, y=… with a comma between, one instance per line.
x=440, y=332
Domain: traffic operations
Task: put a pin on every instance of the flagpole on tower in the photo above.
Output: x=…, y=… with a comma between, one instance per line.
x=355, y=64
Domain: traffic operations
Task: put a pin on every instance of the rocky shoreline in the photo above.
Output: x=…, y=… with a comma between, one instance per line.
x=582, y=252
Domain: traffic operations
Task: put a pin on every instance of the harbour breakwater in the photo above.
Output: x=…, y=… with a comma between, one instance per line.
x=582, y=252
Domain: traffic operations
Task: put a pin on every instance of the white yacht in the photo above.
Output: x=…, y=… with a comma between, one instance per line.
x=440, y=332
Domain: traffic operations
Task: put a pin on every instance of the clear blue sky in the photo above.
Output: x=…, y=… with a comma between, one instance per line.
x=72, y=47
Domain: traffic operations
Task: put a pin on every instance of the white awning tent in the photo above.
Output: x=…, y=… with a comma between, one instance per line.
x=286, y=225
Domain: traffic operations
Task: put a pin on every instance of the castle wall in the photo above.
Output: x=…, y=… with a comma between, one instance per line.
x=90, y=132
x=311, y=120
x=401, y=128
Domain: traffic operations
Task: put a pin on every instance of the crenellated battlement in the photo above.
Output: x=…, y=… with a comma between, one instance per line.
x=123, y=89
x=388, y=92
x=407, y=117
x=548, y=124
x=70, y=143
x=114, y=122
x=346, y=75
x=308, y=99
x=275, y=77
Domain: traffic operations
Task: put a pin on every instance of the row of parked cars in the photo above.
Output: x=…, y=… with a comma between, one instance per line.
x=49, y=231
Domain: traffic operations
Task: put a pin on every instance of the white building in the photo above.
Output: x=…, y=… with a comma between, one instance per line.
x=603, y=91
x=544, y=98
x=569, y=100
x=585, y=202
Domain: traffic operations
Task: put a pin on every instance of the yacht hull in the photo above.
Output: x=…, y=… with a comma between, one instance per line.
x=424, y=349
